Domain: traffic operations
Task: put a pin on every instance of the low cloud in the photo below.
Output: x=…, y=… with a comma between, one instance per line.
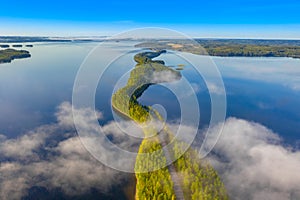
x=250, y=159
x=22, y=147
x=254, y=165
x=214, y=88
x=53, y=156
x=163, y=76
x=75, y=170
x=65, y=115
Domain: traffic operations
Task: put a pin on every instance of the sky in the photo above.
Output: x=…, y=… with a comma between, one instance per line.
x=233, y=18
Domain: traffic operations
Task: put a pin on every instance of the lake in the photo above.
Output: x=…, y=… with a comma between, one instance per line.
x=263, y=90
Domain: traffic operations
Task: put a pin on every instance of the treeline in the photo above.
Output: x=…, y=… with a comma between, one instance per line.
x=198, y=178
x=246, y=48
x=129, y=106
x=254, y=51
x=151, y=184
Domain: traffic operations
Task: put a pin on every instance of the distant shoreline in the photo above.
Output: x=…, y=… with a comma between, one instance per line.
x=33, y=39
x=229, y=47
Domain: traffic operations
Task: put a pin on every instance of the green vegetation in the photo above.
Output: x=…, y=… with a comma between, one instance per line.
x=153, y=184
x=141, y=77
x=247, y=48
x=199, y=179
x=7, y=55
x=154, y=181
x=146, y=57
x=254, y=51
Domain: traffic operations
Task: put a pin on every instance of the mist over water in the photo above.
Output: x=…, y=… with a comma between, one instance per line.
x=32, y=92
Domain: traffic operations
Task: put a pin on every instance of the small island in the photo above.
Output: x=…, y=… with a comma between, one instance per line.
x=4, y=45
x=17, y=45
x=7, y=55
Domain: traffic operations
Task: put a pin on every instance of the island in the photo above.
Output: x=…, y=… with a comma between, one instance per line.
x=187, y=177
x=17, y=45
x=7, y=55
x=4, y=45
x=229, y=47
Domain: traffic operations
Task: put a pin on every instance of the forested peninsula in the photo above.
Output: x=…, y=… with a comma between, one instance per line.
x=187, y=177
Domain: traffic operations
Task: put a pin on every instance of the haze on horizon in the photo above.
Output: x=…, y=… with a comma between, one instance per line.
x=217, y=19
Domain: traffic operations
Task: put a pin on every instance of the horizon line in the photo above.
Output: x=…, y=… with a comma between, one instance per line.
x=108, y=36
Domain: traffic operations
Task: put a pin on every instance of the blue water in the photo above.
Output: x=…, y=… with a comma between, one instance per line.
x=263, y=90
x=266, y=94
x=30, y=89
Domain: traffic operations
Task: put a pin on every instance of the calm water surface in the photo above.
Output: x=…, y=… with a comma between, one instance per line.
x=263, y=90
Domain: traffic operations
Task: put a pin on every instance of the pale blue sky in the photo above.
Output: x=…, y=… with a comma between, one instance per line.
x=233, y=18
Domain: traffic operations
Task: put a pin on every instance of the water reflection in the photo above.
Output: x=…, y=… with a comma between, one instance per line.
x=264, y=90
